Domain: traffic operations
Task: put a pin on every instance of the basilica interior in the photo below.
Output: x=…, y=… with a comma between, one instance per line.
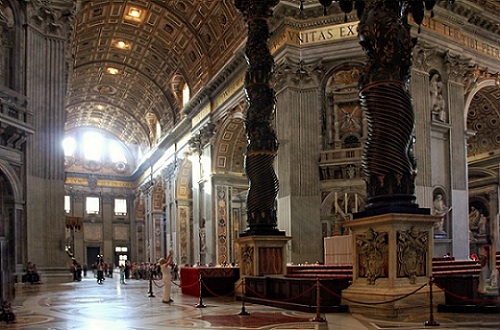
x=124, y=130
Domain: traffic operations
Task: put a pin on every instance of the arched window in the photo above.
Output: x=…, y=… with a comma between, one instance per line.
x=92, y=146
x=186, y=94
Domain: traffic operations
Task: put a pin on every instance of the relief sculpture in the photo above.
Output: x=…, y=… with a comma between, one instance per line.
x=412, y=252
x=372, y=249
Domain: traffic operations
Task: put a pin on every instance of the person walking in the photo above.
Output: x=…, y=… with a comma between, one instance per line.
x=166, y=272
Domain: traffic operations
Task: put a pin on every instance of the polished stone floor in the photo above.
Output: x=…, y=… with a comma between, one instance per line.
x=87, y=305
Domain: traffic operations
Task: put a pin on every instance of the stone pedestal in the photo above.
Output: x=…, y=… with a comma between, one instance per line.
x=261, y=255
x=392, y=257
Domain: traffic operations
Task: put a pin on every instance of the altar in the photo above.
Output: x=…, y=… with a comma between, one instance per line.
x=217, y=281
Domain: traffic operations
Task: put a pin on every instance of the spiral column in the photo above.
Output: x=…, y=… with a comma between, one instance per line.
x=262, y=143
x=388, y=161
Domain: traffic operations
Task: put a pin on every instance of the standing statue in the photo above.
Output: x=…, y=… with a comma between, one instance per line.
x=437, y=99
x=440, y=209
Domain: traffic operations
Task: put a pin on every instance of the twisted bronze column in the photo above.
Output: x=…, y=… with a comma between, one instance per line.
x=388, y=161
x=262, y=143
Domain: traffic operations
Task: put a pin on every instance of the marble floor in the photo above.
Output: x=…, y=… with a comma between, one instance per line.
x=87, y=305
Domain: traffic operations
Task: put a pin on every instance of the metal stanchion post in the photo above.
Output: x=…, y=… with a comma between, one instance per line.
x=200, y=301
x=243, y=311
x=150, y=285
x=318, y=317
x=431, y=322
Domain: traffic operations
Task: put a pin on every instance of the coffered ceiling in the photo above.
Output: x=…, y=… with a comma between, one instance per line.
x=132, y=58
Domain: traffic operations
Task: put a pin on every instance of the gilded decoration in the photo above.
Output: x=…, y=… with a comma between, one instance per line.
x=412, y=248
x=373, y=255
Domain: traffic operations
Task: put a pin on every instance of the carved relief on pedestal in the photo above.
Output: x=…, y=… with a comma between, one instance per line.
x=247, y=260
x=412, y=253
x=373, y=255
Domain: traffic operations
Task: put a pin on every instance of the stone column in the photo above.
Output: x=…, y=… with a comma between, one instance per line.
x=46, y=58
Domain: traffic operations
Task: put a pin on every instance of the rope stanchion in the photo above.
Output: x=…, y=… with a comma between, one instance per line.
x=318, y=317
x=150, y=286
x=200, y=301
x=243, y=311
x=431, y=322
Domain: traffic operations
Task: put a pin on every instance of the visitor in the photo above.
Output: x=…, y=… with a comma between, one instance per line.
x=166, y=271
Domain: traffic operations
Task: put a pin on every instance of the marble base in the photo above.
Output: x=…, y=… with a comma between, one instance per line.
x=372, y=296
x=261, y=255
x=392, y=258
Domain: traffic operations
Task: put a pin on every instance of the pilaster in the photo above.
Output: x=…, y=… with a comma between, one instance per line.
x=298, y=127
x=46, y=55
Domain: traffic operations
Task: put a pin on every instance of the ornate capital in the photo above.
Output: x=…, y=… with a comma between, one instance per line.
x=301, y=73
x=52, y=17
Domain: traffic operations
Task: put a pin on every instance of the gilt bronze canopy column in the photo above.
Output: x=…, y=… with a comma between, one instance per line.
x=262, y=142
x=388, y=161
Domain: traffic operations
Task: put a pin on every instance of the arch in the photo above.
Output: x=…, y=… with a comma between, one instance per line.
x=231, y=145
x=487, y=82
x=14, y=181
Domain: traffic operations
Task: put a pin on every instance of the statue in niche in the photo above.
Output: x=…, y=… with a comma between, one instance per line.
x=474, y=217
x=482, y=225
x=440, y=209
x=437, y=100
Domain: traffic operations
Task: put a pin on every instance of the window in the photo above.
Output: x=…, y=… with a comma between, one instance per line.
x=67, y=204
x=92, y=205
x=120, y=206
x=186, y=95
x=69, y=146
x=116, y=153
x=92, y=146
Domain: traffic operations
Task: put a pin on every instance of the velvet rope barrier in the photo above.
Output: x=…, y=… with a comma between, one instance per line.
x=280, y=300
x=374, y=303
x=465, y=299
x=220, y=296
